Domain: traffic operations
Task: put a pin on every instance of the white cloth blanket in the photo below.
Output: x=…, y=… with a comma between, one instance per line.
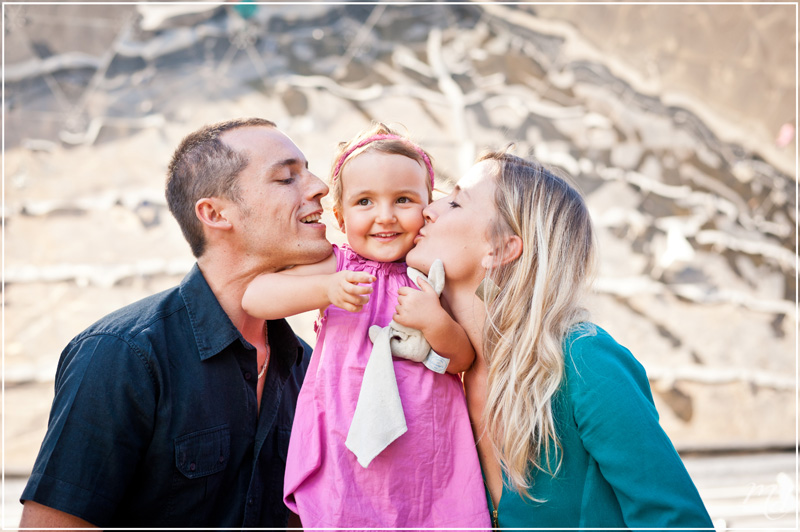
x=379, y=418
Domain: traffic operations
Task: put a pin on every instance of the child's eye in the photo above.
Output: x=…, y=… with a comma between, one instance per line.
x=363, y=202
x=404, y=200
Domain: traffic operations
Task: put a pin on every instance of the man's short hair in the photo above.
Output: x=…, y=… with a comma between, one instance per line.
x=202, y=167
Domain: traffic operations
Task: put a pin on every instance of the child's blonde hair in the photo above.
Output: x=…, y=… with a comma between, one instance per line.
x=381, y=138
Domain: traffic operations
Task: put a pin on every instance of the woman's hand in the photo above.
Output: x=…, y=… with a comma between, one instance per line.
x=345, y=291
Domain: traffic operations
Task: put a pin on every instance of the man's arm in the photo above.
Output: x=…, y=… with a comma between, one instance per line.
x=104, y=395
x=306, y=287
x=35, y=515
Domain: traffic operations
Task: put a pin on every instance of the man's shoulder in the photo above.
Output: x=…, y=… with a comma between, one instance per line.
x=129, y=321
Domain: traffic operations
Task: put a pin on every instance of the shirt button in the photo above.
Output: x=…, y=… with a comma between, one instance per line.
x=250, y=501
x=221, y=459
x=248, y=375
x=192, y=466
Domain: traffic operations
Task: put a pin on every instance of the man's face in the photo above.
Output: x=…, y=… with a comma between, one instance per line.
x=277, y=219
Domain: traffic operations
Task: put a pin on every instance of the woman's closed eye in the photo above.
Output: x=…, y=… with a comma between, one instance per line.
x=453, y=204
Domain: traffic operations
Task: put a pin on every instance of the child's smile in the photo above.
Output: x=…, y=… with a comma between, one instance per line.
x=386, y=236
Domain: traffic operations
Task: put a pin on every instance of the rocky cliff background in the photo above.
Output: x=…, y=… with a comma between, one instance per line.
x=676, y=121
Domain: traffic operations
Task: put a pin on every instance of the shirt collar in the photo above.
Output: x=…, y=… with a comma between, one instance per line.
x=213, y=329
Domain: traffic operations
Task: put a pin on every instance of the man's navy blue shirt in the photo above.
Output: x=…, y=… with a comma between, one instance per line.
x=155, y=421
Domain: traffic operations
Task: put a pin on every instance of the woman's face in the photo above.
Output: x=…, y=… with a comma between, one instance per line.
x=457, y=228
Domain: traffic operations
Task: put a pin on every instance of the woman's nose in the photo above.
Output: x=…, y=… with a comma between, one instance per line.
x=431, y=211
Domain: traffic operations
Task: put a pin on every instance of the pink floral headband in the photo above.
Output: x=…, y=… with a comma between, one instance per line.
x=374, y=138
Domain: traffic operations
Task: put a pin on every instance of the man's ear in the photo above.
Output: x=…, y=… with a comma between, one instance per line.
x=212, y=213
x=508, y=252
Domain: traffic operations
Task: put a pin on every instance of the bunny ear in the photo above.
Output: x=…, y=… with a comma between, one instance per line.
x=414, y=274
x=436, y=276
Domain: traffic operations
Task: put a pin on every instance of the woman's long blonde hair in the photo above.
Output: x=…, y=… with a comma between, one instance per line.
x=538, y=299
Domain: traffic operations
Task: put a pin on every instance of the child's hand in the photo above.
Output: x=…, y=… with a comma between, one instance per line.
x=419, y=309
x=345, y=292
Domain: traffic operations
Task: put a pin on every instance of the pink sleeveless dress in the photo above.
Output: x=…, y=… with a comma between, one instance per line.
x=429, y=477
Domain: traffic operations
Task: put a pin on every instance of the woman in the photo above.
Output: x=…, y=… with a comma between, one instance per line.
x=567, y=432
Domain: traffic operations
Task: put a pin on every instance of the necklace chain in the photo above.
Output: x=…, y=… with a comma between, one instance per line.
x=263, y=369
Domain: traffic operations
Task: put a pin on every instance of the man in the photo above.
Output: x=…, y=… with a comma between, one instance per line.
x=175, y=411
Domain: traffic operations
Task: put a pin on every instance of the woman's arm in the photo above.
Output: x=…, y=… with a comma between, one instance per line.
x=618, y=425
x=306, y=287
x=422, y=310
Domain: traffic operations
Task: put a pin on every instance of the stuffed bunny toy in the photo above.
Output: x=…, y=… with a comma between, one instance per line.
x=409, y=343
x=379, y=418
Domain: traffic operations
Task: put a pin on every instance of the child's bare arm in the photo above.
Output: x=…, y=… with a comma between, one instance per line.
x=307, y=287
x=422, y=310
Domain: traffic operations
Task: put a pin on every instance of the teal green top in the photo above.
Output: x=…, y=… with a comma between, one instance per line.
x=619, y=468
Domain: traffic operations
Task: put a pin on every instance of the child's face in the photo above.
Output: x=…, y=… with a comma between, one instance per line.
x=382, y=200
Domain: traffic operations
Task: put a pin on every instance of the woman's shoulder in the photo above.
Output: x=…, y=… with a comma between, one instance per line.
x=583, y=337
x=599, y=371
x=590, y=352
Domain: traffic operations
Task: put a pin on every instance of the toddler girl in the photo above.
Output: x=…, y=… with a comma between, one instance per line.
x=430, y=476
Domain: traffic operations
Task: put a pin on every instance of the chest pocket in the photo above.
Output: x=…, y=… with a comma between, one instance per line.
x=204, y=452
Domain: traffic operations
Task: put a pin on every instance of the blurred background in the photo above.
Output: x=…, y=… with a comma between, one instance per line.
x=677, y=122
